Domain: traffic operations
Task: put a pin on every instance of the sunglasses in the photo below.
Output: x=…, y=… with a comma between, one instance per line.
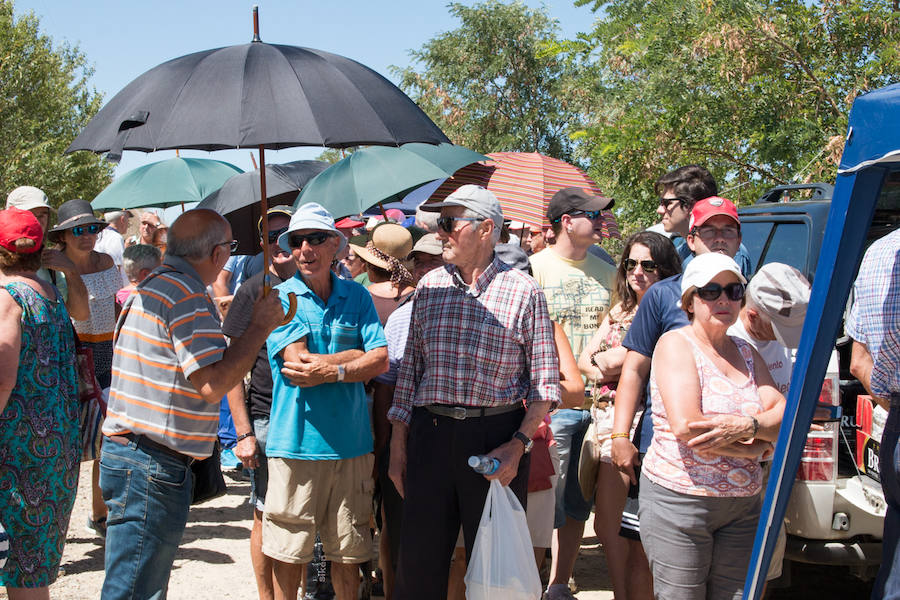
x=666, y=202
x=647, y=266
x=80, y=230
x=712, y=291
x=590, y=214
x=273, y=236
x=313, y=239
x=446, y=223
x=232, y=245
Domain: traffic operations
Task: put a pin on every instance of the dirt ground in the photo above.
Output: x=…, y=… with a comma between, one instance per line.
x=214, y=558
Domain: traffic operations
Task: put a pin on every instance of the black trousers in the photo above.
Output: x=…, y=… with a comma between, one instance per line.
x=443, y=492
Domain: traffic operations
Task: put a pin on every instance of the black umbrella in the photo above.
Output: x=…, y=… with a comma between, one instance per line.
x=238, y=199
x=256, y=94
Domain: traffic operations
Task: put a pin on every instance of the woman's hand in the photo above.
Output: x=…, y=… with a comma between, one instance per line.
x=755, y=450
x=722, y=431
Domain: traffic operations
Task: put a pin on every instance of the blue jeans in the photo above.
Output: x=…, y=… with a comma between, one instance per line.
x=569, y=426
x=887, y=585
x=148, y=494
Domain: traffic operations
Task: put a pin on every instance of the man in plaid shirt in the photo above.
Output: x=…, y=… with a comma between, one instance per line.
x=874, y=325
x=480, y=350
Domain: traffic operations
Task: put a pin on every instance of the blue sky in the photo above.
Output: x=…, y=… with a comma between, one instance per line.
x=124, y=38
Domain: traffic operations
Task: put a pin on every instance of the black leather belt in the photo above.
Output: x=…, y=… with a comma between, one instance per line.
x=142, y=440
x=468, y=412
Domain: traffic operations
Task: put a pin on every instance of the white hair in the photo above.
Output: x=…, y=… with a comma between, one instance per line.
x=495, y=234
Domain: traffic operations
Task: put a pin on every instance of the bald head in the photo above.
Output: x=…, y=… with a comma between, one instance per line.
x=195, y=234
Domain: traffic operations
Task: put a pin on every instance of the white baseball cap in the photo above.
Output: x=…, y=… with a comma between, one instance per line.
x=27, y=197
x=704, y=267
x=310, y=216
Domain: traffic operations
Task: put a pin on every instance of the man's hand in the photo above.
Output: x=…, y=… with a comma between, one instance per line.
x=267, y=312
x=246, y=452
x=509, y=455
x=397, y=466
x=56, y=260
x=625, y=458
x=309, y=370
x=722, y=431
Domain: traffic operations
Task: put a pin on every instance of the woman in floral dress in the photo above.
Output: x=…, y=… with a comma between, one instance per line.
x=39, y=429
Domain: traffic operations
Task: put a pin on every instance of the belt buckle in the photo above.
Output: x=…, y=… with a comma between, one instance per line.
x=458, y=413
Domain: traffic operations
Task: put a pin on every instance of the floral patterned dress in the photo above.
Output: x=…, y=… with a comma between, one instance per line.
x=39, y=442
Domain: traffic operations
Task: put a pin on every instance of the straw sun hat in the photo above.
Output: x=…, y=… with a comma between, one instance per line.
x=388, y=249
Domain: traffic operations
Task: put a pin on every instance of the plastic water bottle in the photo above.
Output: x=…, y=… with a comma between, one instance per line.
x=486, y=465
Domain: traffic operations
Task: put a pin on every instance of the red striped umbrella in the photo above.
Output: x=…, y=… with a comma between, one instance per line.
x=524, y=182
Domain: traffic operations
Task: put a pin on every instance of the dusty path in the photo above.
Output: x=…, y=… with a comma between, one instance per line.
x=214, y=558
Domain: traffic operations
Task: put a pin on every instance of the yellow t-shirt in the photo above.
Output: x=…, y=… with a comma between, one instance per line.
x=579, y=292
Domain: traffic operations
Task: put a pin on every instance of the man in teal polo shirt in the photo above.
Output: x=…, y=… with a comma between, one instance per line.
x=320, y=435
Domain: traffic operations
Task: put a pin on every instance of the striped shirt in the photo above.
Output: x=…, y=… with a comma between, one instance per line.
x=875, y=316
x=487, y=346
x=168, y=329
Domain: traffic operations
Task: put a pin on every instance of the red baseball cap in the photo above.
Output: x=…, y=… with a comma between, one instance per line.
x=16, y=224
x=348, y=223
x=710, y=207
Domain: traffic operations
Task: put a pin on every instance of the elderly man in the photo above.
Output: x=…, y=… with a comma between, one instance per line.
x=874, y=325
x=110, y=241
x=150, y=222
x=320, y=435
x=170, y=369
x=480, y=344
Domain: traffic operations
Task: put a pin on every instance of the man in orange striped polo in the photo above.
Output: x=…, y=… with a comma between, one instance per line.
x=171, y=367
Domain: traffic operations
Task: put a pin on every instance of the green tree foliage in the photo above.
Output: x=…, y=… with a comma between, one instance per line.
x=495, y=83
x=757, y=90
x=44, y=102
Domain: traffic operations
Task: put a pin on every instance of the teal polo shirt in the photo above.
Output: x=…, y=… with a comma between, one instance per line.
x=329, y=421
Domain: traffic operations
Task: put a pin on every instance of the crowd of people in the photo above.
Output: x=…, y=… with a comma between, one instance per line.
x=363, y=368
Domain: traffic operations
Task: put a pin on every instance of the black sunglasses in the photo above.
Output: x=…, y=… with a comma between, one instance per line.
x=712, y=291
x=647, y=266
x=273, y=236
x=80, y=230
x=589, y=214
x=665, y=202
x=313, y=239
x=446, y=223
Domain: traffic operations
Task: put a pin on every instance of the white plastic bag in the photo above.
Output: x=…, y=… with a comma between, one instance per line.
x=502, y=566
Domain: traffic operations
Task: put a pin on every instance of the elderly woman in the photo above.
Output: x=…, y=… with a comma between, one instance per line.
x=715, y=412
x=385, y=256
x=646, y=258
x=39, y=418
x=75, y=234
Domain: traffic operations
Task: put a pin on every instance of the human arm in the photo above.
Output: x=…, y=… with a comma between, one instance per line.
x=861, y=365
x=608, y=365
x=221, y=285
x=635, y=371
x=676, y=377
x=571, y=386
x=215, y=380
x=10, y=345
x=510, y=453
x=304, y=369
x=76, y=295
x=245, y=450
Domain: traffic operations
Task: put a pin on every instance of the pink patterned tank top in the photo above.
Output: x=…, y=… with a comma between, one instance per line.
x=672, y=464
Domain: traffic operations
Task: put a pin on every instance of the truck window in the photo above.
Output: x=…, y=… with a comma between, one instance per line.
x=789, y=244
x=754, y=235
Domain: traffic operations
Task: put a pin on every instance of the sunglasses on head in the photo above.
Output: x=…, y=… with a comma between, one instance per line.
x=712, y=291
x=647, y=266
x=80, y=230
x=273, y=236
x=446, y=223
x=313, y=239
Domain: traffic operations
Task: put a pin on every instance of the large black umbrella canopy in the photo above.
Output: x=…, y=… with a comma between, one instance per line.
x=254, y=95
x=238, y=199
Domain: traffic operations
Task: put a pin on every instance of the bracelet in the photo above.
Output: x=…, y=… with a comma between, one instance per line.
x=244, y=436
x=619, y=435
x=755, y=427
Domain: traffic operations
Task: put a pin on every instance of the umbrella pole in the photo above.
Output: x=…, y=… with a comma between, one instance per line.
x=267, y=257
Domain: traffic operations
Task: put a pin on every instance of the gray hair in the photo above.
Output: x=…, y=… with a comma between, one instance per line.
x=139, y=257
x=199, y=245
x=495, y=235
x=111, y=217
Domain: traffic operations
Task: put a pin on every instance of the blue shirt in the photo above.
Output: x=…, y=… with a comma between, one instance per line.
x=659, y=312
x=329, y=421
x=874, y=318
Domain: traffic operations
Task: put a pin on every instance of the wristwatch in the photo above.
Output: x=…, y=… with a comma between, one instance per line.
x=340, y=373
x=526, y=441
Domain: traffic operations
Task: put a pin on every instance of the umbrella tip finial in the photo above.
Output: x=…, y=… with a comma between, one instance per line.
x=256, y=37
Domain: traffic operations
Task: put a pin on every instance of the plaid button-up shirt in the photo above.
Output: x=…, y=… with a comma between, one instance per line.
x=875, y=316
x=491, y=345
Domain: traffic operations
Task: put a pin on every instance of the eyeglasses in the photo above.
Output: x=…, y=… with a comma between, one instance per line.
x=313, y=239
x=446, y=223
x=589, y=214
x=712, y=291
x=80, y=230
x=233, y=244
x=666, y=202
x=273, y=236
x=647, y=266
x=710, y=233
